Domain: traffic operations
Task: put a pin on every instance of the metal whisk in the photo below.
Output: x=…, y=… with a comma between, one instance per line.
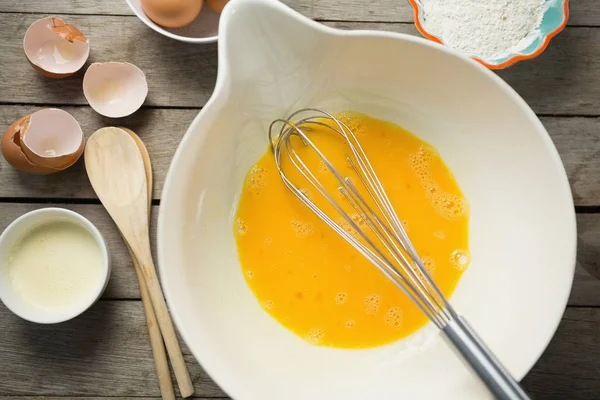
x=381, y=237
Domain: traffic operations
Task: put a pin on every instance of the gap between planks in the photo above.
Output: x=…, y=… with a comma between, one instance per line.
x=198, y=109
x=591, y=209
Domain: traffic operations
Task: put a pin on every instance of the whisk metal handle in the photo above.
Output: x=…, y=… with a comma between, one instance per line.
x=497, y=379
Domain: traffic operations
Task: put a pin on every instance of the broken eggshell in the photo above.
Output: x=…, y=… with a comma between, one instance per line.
x=115, y=89
x=47, y=141
x=54, y=48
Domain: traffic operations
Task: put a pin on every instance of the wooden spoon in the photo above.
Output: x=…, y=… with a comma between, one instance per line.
x=116, y=171
x=156, y=340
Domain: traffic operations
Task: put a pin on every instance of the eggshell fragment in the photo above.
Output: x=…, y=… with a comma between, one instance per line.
x=47, y=141
x=11, y=149
x=54, y=48
x=115, y=89
x=216, y=5
x=172, y=13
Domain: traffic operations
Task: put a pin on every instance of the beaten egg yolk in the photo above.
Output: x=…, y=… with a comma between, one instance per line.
x=310, y=279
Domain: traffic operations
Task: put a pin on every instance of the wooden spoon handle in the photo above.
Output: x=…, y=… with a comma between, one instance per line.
x=168, y=332
x=156, y=340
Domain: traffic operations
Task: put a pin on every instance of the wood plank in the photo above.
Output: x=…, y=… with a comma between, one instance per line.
x=556, y=82
x=586, y=285
x=123, y=282
x=58, y=7
x=162, y=129
x=582, y=12
x=181, y=75
x=105, y=352
x=578, y=144
x=569, y=367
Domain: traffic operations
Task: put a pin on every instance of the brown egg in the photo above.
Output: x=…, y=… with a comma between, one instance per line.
x=47, y=141
x=172, y=13
x=216, y=5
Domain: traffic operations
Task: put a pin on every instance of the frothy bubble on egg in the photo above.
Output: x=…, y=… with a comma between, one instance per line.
x=393, y=317
x=372, y=302
x=350, y=324
x=354, y=123
x=358, y=220
x=250, y=274
x=268, y=241
x=323, y=166
x=302, y=229
x=460, y=259
x=341, y=298
x=429, y=264
x=269, y=304
x=448, y=205
x=315, y=336
x=345, y=225
x=420, y=162
x=256, y=180
x=241, y=227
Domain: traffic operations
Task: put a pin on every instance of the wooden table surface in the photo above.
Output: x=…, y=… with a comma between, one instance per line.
x=106, y=351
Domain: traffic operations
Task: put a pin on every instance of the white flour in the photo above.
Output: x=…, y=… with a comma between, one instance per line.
x=482, y=28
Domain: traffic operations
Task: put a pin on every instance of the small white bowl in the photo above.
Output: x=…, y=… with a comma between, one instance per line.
x=204, y=29
x=14, y=232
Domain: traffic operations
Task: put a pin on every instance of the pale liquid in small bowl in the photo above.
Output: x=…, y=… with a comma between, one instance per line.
x=56, y=266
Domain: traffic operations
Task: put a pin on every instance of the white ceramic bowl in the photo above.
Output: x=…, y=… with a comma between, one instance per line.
x=204, y=29
x=522, y=225
x=14, y=232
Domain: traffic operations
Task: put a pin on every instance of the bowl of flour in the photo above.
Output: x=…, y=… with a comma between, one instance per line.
x=497, y=33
